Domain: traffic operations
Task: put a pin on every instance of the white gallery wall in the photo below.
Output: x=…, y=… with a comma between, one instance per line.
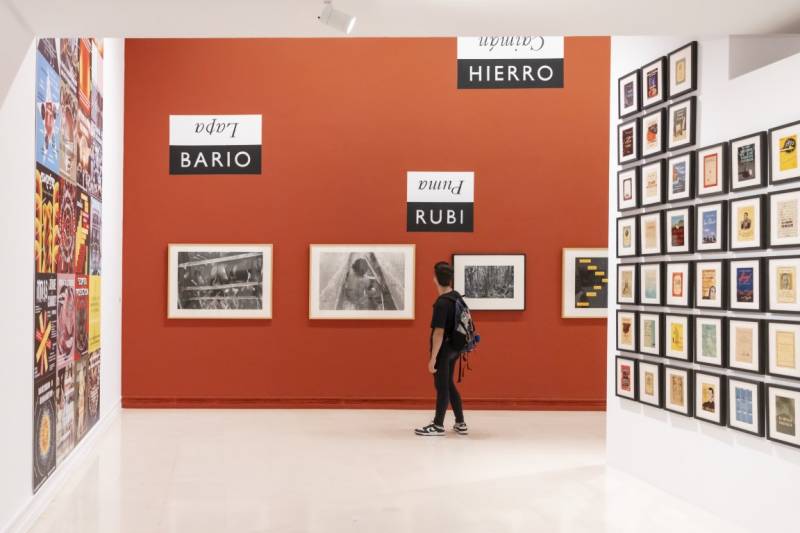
x=749, y=480
x=17, y=502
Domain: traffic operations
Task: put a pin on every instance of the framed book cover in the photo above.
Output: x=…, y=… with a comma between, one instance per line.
x=650, y=333
x=682, y=124
x=683, y=70
x=653, y=136
x=654, y=82
x=709, y=340
x=650, y=383
x=748, y=163
x=678, y=280
x=651, y=189
x=747, y=223
x=680, y=230
x=784, y=162
x=711, y=227
x=710, y=397
x=784, y=219
x=650, y=284
x=627, y=283
x=712, y=170
x=629, y=94
x=783, y=406
x=709, y=284
x=651, y=240
x=782, y=293
x=678, y=336
x=626, y=378
x=628, y=142
x=627, y=236
x=746, y=288
x=628, y=189
x=626, y=331
x=746, y=405
x=783, y=349
x=680, y=177
x=745, y=345
x=678, y=389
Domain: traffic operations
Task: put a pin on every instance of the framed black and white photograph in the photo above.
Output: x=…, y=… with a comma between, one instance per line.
x=650, y=389
x=784, y=210
x=710, y=397
x=745, y=290
x=651, y=240
x=626, y=331
x=650, y=333
x=709, y=284
x=680, y=177
x=709, y=340
x=627, y=283
x=711, y=227
x=749, y=161
x=784, y=162
x=654, y=83
x=627, y=239
x=219, y=281
x=678, y=390
x=626, y=378
x=678, y=337
x=683, y=70
x=712, y=170
x=653, y=137
x=490, y=282
x=629, y=94
x=584, y=283
x=678, y=282
x=628, y=142
x=650, y=284
x=681, y=117
x=680, y=230
x=746, y=406
x=745, y=341
x=747, y=223
x=782, y=293
x=652, y=183
x=361, y=281
x=628, y=189
x=783, y=349
x=783, y=405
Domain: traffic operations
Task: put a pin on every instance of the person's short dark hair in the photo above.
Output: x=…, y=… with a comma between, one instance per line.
x=444, y=273
x=360, y=266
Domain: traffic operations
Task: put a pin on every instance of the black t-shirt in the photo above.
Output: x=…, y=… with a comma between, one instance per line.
x=444, y=313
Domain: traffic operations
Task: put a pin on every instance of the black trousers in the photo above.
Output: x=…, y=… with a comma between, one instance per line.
x=446, y=392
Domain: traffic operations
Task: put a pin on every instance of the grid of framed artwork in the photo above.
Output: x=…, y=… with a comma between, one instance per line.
x=704, y=302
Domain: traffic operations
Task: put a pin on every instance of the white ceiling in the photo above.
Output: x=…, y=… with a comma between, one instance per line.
x=297, y=18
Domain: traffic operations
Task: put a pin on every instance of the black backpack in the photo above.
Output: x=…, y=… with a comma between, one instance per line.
x=462, y=338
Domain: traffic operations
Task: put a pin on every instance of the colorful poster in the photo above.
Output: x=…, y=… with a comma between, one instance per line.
x=787, y=147
x=744, y=285
x=744, y=405
x=627, y=91
x=651, y=284
x=81, y=315
x=82, y=223
x=710, y=226
x=676, y=337
x=652, y=83
x=65, y=317
x=678, y=229
x=94, y=313
x=95, y=182
x=67, y=226
x=709, y=280
x=679, y=177
x=44, y=327
x=746, y=162
x=627, y=142
x=81, y=398
x=84, y=75
x=93, y=387
x=710, y=170
x=626, y=331
x=68, y=61
x=626, y=375
x=45, y=245
x=83, y=144
x=95, y=238
x=591, y=282
x=44, y=429
x=65, y=410
x=48, y=96
x=677, y=284
x=67, y=150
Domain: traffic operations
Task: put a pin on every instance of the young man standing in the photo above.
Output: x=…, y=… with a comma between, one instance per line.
x=443, y=358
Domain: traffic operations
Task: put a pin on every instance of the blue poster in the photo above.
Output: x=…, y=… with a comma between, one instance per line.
x=679, y=178
x=744, y=405
x=709, y=227
x=744, y=284
x=48, y=123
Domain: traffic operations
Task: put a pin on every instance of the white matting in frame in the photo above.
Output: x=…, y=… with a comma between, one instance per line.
x=490, y=282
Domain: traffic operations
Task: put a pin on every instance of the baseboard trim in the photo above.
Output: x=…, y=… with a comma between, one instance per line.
x=38, y=503
x=525, y=404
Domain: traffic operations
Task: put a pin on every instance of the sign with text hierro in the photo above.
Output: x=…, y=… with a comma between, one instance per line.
x=440, y=201
x=511, y=62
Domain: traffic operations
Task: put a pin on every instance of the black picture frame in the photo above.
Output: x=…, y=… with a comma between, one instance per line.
x=768, y=261
x=635, y=219
x=762, y=222
x=692, y=71
x=722, y=401
x=634, y=377
x=689, y=337
x=760, y=283
x=659, y=232
x=635, y=331
x=723, y=339
x=662, y=146
x=691, y=103
x=637, y=90
x=659, y=378
x=663, y=81
x=688, y=288
x=689, y=390
x=662, y=169
x=636, y=179
x=636, y=143
x=690, y=176
x=762, y=164
x=660, y=267
x=659, y=338
x=768, y=412
x=524, y=257
x=635, y=267
x=724, y=170
x=771, y=141
x=688, y=230
x=761, y=345
x=769, y=227
x=722, y=224
x=759, y=397
x=723, y=283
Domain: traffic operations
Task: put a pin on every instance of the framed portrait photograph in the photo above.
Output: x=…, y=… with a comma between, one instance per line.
x=784, y=209
x=680, y=230
x=653, y=137
x=629, y=94
x=678, y=337
x=709, y=284
x=745, y=339
x=683, y=70
x=783, y=349
x=219, y=281
x=651, y=231
x=783, y=405
x=783, y=296
x=747, y=223
x=650, y=333
x=650, y=390
x=712, y=225
x=709, y=340
x=652, y=183
x=746, y=406
x=654, y=83
x=745, y=288
x=626, y=331
x=627, y=283
x=712, y=170
x=710, y=396
x=628, y=189
x=627, y=240
x=626, y=378
x=749, y=161
x=678, y=280
x=628, y=142
x=492, y=282
x=362, y=281
x=678, y=390
x=784, y=165
x=680, y=177
x=650, y=284
x=681, y=118
x=584, y=284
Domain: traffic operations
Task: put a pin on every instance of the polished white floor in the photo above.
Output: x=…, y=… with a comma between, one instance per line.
x=306, y=471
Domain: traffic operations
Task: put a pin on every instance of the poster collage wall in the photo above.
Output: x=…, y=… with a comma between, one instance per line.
x=704, y=299
x=67, y=247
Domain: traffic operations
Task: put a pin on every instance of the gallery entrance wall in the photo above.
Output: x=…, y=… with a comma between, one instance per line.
x=343, y=123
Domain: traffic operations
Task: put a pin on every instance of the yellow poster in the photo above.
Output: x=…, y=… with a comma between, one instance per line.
x=676, y=337
x=709, y=279
x=784, y=349
x=94, y=313
x=745, y=227
x=680, y=70
x=787, y=146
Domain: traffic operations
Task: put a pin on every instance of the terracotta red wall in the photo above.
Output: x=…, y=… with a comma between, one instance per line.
x=344, y=119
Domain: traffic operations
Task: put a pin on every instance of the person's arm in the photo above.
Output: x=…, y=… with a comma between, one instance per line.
x=436, y=344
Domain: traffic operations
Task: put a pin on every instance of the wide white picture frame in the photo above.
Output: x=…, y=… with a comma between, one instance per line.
x=783, y=349
x=709, y=284
x=678, y=283
x=744, y=345
x=576, y=301
x=650, y=333
x=784, y=218
x=783, y=294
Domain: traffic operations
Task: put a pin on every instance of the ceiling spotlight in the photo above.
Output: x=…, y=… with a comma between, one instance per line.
x=336, y=19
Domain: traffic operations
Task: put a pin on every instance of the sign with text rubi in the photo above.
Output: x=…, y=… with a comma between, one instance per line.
x=511, y=62
x=440, y=201
x=215, y=144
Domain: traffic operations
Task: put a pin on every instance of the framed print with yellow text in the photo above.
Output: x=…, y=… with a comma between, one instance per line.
x=584, y=284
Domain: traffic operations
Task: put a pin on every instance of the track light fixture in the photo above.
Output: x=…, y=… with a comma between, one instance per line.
x=338, y=20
